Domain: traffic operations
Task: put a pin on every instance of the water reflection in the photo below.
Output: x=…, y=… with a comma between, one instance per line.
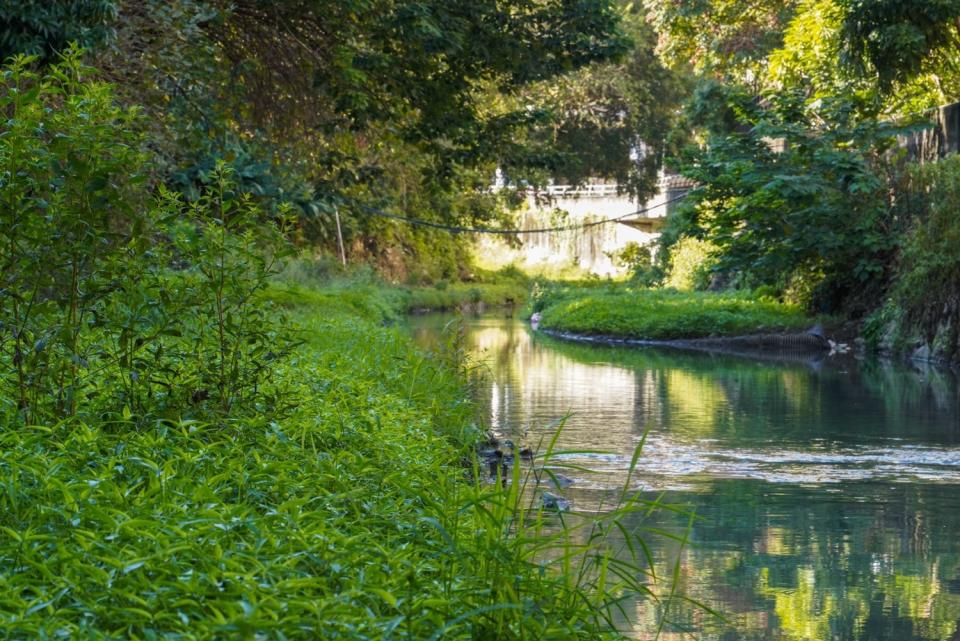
x=828, y=494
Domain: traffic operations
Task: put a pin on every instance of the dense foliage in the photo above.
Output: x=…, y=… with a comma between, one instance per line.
x=924, y=302
x=801, y=116
x=784, y=198
x=179, y=459
x=611, y=120
x=46, y=29
x=720, y=38
x=352, y=107
x=349, y=518
x=114, y=301
x=899, y=40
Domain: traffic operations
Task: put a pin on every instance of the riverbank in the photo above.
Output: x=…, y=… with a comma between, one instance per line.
x=346, y=511
x=623, y=313
x=305, y=282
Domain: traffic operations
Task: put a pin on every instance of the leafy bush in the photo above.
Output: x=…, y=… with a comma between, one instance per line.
x=690, y=262
x=790, y=190
x=637, y=259
x=44, y=29
x=71, y=220
x=113, y=304
x=766, y=292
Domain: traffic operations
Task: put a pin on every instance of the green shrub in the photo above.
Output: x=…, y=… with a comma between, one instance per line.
x=690, y=262
x=230, y=257
x=637, y=259
x=816, y=205
x=927, y=282
x=113, y=303
x=45, y=29
x=72, y=222
x=766, y=292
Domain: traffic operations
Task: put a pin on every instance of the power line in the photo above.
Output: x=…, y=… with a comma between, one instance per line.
x=457, y=229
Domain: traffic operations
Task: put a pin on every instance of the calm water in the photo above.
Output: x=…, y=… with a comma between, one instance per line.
x=828, y=494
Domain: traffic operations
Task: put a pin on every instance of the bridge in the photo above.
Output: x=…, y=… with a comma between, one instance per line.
x=594, y=248
x=606, y=200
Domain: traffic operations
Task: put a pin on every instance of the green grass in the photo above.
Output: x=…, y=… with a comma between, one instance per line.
x=457, y=295
x=662, y=314
x=350, y=517
x=363, y=300
x=384, y=303
x=318, y=282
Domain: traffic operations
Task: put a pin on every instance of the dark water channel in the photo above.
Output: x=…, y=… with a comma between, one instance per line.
x=828, y=494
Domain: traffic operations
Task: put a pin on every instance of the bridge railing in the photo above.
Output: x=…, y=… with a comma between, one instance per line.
x=599, y=190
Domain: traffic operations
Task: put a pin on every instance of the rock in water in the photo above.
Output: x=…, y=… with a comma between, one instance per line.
x=553, y=502
x=817, y=330
x=561, y=481
x=558, y=481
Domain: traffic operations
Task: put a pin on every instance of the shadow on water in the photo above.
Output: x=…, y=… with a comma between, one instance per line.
x=828, y=494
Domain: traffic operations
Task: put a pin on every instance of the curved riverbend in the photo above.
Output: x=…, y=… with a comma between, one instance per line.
x=827, y=491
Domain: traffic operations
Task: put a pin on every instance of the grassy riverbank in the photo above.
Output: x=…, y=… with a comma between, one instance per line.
x=663, y=314
x=348, y=514
x=182, y=458
x=359, y=287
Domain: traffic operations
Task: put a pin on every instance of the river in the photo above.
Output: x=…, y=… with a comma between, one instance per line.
x=826, y=494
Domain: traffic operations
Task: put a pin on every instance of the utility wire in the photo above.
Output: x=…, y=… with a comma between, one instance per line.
x=456, y=229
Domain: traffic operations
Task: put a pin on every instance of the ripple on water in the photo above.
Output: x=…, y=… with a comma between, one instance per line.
x=670, y=464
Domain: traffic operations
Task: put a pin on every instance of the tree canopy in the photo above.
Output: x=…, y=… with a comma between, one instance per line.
x=900, y=39
x=408, y=106
x=795, y=112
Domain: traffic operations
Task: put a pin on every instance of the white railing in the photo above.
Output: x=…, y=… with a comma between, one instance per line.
x=599, y=190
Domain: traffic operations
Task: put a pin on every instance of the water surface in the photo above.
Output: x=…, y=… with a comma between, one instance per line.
x=827, y=493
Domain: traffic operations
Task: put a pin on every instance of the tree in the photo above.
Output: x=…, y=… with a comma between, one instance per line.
x=611, y=119
x=794, y=194
x=897, y=40
x=45, y=28
x=330, y=104
x=724, y=39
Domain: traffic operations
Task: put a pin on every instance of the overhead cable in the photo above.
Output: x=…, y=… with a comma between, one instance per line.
x=457, y=229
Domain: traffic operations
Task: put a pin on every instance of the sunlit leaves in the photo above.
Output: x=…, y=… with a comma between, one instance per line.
x=899, y=39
